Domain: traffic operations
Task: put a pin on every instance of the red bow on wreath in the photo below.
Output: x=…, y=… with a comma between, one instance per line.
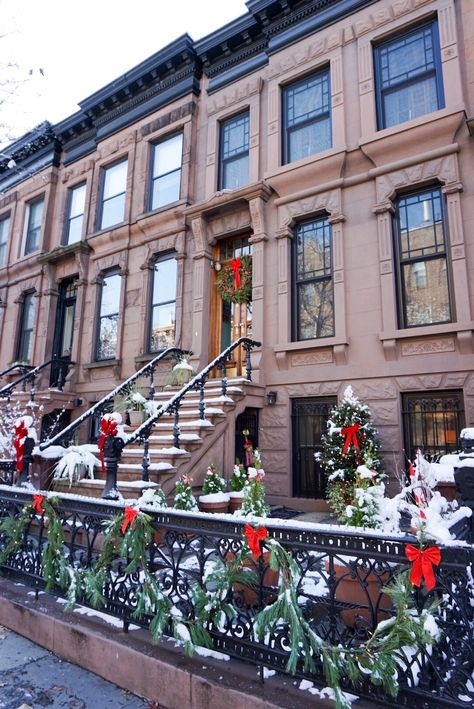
x=37, y=502
x=254, y=537
x=108, y=427
x=129, y=517
x=21, y=432
x=351, y=437
x=423, y=561
x=235, y=265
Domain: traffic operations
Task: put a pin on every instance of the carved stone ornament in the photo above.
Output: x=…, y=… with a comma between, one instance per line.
x=443, y=169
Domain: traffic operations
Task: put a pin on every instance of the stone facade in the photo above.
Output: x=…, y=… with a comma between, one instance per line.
x=191, y=89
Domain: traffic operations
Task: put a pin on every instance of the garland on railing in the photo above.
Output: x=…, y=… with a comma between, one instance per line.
x=128, y=536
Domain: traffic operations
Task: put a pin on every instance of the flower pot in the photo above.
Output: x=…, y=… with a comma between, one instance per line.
x=261, y=567
x=447, y=490
x=136, y=418
x=363, y=591
x=235, y=501
x=217, y=507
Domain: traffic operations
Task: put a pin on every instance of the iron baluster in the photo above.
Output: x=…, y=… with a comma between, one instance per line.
x=224, y=376
x=151, y=394
x=248, y=365
x=33, y=388
x=176, y=430
x=146, y=456
x=202, y=403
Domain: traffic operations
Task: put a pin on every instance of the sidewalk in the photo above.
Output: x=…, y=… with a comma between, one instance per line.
x=32, y=677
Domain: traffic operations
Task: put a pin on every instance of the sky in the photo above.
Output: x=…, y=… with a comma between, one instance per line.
x=73, y=49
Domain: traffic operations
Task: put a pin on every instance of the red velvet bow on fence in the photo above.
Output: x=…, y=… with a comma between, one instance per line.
x=254, y=537
x=37, y=504
x=235, y=265
x=423, y=561
x=351, y=437
x=108, y=427
x=129, y=516
x=21, y=432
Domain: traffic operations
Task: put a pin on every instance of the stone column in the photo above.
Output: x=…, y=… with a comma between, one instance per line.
x=201, y=294
x=384, y=213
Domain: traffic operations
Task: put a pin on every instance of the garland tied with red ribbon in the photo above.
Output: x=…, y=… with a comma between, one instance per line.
x=129, y=519
x=37, y=505
x=234, y=280
x=254, y=538
x=108, y=427
x=21, y=433
x=422, y=561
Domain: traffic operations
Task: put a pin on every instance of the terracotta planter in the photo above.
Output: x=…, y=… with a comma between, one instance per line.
x=216, y=507
x=235, y=503
x=362, y=590
x=259, y=565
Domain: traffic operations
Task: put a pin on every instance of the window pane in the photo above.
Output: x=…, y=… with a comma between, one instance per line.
x=235, y=136
x=67, y=331
x=35, y=217
x=315, y=310
x=310, y=139
x=78, y=199
x=410, y=102
x=25, y=348
x=235, y=173
x=115, y=180
x=308, y=99
x=164, y=281
x=166, y=189
x=421, y=225
x=313, y=250
x=168, y=155
x=107, y=337
x=407, y=57
x=426, y=292
x=113, y=211
x=4, y=228
x=162, y=327
x=110, y=297
x=75, y=229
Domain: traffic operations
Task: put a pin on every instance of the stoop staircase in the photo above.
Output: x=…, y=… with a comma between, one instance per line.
x=191, y=428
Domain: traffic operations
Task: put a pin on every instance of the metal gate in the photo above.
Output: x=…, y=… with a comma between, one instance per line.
x=309, y=419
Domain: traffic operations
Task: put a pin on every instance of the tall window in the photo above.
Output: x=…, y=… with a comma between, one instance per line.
x=313, y=287
x=422, y=268
x=309, y=423
x=112, y=203
x=4, y=229
x=27, y=321
x=34, y=218
x=106, y=347
x=166, y=171
x=432, y=422
x=306, y=117
x=234, y=152
x=75, y=214
x=409, y=81
x=163, y=305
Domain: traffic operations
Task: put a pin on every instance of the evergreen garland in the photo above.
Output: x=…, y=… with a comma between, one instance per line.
x=380, y=658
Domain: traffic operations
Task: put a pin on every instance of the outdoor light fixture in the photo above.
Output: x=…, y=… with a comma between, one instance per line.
x=216, y=265
x=271, y=398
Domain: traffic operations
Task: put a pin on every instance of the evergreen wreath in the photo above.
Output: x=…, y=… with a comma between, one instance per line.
x=226, y=281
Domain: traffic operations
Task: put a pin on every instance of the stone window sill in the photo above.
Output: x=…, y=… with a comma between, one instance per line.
x=326, y=350
x=103, y=363
x=428, y=339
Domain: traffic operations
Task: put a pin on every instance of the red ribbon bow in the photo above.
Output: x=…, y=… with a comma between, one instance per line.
x=37, y=502
x=423, y=561
x=108, y=427
x=235, y=265
x=254, y=537
x=21, y=432
x=129, y=516
x=351, y=437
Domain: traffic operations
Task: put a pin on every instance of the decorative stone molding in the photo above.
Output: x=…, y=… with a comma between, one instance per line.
x=173, y=243
x=238, y=94
x=444, y=169
x=441, y=344
x=325, y=201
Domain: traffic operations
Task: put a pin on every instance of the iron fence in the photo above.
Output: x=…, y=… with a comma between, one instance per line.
x=185, y=544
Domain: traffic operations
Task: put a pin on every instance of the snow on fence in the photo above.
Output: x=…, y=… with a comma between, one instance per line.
x=185, y=547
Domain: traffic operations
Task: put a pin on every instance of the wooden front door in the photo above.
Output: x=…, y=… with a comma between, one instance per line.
x=229, y=321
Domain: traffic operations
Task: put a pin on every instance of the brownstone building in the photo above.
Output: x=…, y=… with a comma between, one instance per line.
x=328, y=139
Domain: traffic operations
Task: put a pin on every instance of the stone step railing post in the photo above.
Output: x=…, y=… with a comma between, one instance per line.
x=112, y=454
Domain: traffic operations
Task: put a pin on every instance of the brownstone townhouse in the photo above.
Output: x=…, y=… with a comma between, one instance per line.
x=331, y=141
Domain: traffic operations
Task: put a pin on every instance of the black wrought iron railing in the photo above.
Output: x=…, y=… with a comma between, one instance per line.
x=19, y=367
x=100, y=407
x=185, y=545
x=30, y=377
